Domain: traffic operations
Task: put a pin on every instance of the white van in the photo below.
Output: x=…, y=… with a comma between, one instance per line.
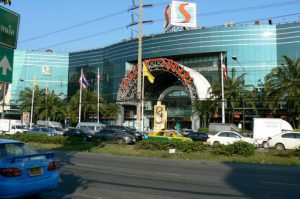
x=90, y=126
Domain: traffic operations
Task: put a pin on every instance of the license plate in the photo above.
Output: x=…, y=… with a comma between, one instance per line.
x=35, y=171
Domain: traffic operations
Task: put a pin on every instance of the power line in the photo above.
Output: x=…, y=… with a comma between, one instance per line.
x=73, y=26
x=164, y=3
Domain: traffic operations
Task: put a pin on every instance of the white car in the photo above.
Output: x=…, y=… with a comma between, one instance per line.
x=287, y=140
x=228, y=137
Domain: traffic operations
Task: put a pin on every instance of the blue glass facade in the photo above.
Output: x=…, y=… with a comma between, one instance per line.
x=257, y=49
x=254, y=46
x=50, y=69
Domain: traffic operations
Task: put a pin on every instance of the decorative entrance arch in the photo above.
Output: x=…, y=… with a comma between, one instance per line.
x=194, y=82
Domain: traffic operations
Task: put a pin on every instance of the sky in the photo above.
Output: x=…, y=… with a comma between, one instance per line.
x=75, y=25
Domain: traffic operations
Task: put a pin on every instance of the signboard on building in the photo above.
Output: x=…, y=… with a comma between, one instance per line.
x=181, y=14
x=9, y=28
x=160, y=117
x=6, y=64
x=47, y=70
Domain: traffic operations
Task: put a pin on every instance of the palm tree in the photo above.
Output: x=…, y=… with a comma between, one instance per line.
x=282, y=84
x=50, y=107
x=25, y=100
x=205, y=108
x=89, y=106
x=236, y=92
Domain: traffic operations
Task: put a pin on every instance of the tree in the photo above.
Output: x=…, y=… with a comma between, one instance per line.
x=205, y=108
x=6, y=2
x=282, y=84
x=25, y=100
x=236, y=93
x=89, y=106
x=50, y=107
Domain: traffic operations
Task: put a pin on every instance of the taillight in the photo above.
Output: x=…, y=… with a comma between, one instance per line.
x=52, y=166
x=10, y=172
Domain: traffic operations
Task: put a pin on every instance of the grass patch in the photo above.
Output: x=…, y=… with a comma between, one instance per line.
x=269, y=157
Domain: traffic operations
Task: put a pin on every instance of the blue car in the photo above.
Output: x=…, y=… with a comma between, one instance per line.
x=24, y=172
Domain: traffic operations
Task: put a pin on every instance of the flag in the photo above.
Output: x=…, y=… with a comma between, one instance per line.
x=148, y=74
x=35, y=84
x=224, y=67
x=82, y=80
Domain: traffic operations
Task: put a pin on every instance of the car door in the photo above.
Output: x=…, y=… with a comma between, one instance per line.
x=233, y=137
x=288, y=140
x=297, y=140
x=223, y=138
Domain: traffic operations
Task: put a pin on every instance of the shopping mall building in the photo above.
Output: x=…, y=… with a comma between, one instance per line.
x=184, y=63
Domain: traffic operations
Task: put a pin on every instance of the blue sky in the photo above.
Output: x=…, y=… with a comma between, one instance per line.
x=40, y=17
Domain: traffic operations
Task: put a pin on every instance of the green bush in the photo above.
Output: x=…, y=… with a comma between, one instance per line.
x=43, y=139
x=203, y=130
x=163, y=145
x=237, y=148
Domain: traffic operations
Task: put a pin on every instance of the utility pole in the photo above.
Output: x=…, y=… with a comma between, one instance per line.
x=139, y=80
x=139, y=104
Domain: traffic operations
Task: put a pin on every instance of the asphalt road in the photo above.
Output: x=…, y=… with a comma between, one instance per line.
x=91, y=176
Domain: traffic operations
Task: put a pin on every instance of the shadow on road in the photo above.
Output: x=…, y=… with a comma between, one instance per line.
x=265, y=181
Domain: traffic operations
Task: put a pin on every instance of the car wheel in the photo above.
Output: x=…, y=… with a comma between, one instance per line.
x=120, y=141
x=265, y=145
x=216, y=143
x=279, y=147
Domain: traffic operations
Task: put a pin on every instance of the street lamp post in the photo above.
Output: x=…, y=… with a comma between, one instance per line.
x=32, y=102
x=236, y=59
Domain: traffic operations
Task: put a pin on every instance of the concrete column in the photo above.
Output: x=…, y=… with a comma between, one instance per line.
x=120, y=116
x=195, y=121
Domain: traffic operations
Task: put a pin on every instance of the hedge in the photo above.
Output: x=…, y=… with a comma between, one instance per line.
x=237, y=148
x=43, y=139
x=163, y=145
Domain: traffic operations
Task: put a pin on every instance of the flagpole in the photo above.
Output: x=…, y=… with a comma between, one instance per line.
x=98, y=105
x=79, y=117
x=222, y=85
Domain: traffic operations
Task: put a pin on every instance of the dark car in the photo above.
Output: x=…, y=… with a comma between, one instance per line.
x=138, y=135
x=79, y=133
x=196, y=136
x=44, y=131
x=115, y=135
x=186, y=132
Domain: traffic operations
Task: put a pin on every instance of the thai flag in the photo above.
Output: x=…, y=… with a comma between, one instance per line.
x=83, y=81
x=224, y=67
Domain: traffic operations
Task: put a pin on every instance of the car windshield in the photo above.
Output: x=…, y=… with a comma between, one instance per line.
x=15, y=149
x=20, y=127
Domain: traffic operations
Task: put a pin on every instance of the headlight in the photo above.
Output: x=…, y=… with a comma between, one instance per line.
x=127, y=138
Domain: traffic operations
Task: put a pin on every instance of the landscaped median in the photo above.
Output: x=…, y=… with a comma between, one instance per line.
x=237, y=152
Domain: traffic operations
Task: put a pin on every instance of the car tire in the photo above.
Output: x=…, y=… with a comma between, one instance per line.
x=120, y=141
x=279, y=147
x=216, y=143
x=265, y=145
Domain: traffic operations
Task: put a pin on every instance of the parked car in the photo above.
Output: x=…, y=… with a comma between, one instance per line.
x=43, y=130
x=282, y=141
x=115, y=135
x=57, y=130
x=79, y=133
x=228, y=137
x=197, y=136
x=90, y=126
x=186, y=132
x=138, y=135
x=167, y=135
x=24, y=172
